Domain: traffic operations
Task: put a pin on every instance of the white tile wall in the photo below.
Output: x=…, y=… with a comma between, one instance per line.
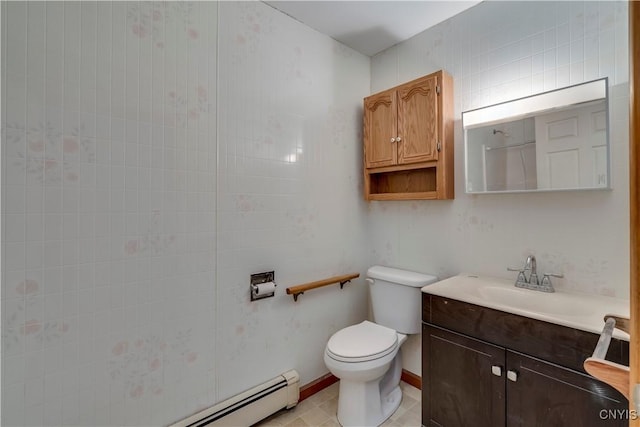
x=109, y=179
x=289, y=194
x=497, y=51
x=128, y=242
x=492, y=51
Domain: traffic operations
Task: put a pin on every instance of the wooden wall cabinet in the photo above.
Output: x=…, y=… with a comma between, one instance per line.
x=518, y=372
x=408, y=140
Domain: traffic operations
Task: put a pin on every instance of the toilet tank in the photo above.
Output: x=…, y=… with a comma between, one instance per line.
x=396, y=298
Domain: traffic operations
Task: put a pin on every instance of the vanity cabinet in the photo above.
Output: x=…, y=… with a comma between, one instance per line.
x=517, y=372
x=545, y=394
x=408, y=140
x=458, y=386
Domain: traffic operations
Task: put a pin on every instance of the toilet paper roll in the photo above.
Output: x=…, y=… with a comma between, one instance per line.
x=263, y=289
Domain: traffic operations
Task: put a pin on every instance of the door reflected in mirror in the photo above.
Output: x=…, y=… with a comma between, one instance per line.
x=556, y=140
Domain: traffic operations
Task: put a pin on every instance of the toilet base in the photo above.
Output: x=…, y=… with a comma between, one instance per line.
x=356, y=414
x=391, y=403
x=369, y=404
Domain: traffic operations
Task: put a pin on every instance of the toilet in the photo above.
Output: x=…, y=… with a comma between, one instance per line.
x=366, y=357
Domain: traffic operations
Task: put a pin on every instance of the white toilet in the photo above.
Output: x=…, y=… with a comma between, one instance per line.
x=366, y=357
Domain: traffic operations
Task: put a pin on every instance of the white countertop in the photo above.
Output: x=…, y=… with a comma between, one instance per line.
x=575, y=310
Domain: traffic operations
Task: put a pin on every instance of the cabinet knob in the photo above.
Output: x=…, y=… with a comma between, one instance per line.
x=512, y=376
x=393, y=140
x=398, y=139
x=496, y=370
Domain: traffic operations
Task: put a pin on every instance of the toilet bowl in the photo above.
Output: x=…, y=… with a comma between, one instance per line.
x=366, y=357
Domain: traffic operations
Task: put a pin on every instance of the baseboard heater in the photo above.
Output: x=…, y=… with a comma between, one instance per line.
x=251, y=406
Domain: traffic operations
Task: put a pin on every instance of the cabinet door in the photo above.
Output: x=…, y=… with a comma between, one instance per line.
x=460, y=388
x=418, y=121
x=548, y=395
x=380, y=130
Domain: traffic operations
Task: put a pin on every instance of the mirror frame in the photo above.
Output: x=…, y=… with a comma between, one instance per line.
x=529, y=106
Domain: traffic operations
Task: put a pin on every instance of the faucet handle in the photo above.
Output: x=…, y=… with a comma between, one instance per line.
x=546, y=281
x=558, y=275
x=521, y=280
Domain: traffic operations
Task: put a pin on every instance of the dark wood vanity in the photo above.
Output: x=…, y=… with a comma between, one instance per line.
x=487, y=368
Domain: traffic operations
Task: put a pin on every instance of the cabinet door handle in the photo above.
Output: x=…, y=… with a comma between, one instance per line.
x=393, y=140
x=496, y=370
x=512, y=376
x=398, y=139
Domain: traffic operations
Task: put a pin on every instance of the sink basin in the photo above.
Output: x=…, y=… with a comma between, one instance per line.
x=525, y=299
x=576, y=310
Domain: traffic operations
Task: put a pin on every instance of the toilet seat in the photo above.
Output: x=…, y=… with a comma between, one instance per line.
x=362, y=342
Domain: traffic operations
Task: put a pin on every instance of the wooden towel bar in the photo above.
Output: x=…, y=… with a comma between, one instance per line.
x=297, y=290
x=614, y=374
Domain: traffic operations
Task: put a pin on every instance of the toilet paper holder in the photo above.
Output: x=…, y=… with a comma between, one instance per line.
x=258, y=279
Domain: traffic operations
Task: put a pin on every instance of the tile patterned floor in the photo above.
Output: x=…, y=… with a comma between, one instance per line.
x=320, y=410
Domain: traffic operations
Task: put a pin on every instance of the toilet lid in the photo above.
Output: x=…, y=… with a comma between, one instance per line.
x=362, y=342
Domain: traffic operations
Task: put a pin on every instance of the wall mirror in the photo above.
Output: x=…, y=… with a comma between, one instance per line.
x=557, y=140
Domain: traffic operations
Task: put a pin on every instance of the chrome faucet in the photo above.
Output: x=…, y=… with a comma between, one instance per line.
x=531, y=265
x=532, y=282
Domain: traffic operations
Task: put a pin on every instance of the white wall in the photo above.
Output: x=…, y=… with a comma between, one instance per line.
x=290, y=185
x=132, y=220
x=497, y=51
x=109, y=154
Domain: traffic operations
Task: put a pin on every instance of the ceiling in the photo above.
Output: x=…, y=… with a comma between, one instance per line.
x=371, y=26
